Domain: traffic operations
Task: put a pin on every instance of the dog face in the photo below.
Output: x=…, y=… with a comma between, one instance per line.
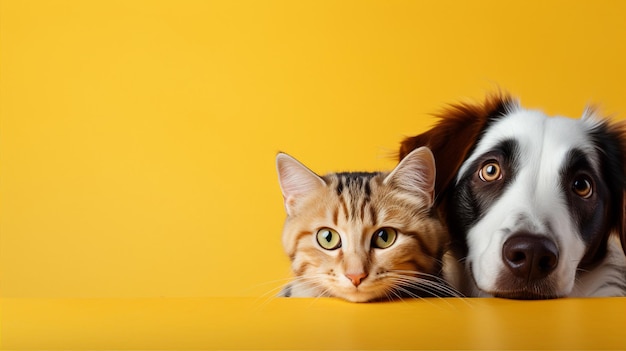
x=530, y=200
x=533, y=199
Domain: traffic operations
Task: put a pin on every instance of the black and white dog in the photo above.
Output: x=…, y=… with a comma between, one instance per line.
x=534, y=204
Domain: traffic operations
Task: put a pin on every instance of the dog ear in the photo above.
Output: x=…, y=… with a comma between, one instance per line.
x=455, y=135
x=622, y=229
x=620, y=131
x=611, y=139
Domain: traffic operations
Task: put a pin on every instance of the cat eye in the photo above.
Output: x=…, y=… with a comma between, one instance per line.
x=582, y=187
x=384, y=237
x=490, y=172
x=328, y=238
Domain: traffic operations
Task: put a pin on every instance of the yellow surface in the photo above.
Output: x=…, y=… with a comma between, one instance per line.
x=137, y=144
x=248, y=323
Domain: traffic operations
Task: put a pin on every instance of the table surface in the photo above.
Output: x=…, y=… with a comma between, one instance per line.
x=324, y=323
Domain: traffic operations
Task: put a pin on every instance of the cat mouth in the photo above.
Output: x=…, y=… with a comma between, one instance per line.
x=396, y=294
x=391, y=293
x=361, y=294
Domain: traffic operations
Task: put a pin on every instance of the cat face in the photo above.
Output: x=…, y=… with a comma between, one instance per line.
x=362, y=236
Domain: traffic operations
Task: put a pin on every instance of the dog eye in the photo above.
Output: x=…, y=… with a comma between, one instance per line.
x=490, y=172
x=384, y=237
x=328, y=239
x=582, y=187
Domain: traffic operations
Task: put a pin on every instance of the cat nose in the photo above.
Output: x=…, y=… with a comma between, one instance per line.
x=356, y=278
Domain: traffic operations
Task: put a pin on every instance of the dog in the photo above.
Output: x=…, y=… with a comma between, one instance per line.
x=534, y=204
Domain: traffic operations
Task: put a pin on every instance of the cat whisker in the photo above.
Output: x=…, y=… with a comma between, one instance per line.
x=251, y=288
x=312, y=281
x=436, y=277
x=410, y=279
x=279, y=282
x=410, y=294
x=270, y=295
x=432, y=277
x=408, y=289
x=425, y=286
x=407, y=292
x=418, y=278
x=394, y=294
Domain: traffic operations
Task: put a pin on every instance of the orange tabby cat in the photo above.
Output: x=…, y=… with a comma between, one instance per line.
x=363, y=236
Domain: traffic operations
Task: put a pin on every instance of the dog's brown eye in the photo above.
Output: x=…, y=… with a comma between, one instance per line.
x=582, y=187
x=490, y=172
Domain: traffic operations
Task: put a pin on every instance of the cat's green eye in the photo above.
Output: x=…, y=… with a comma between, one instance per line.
x=328, y=239
x=384, y=237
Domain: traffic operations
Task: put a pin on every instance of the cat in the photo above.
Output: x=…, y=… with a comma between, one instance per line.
x=363, y=236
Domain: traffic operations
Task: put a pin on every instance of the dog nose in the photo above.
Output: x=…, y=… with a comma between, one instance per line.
x=530, y=256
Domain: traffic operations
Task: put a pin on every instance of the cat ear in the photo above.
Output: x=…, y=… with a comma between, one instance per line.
x=416, y=173
x=296, y=180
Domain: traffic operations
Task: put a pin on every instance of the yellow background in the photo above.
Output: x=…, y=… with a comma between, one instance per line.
x=137, y=138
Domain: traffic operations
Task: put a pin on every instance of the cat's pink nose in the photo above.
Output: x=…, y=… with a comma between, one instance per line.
x=356, y=278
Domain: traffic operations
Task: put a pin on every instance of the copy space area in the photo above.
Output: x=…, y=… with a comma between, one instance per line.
x=139, y=202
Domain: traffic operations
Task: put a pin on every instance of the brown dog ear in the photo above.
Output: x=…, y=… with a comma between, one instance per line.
x=620, y=130
x=610, y=138
x=622, y=229
x=455, y=135
x=614, y=149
